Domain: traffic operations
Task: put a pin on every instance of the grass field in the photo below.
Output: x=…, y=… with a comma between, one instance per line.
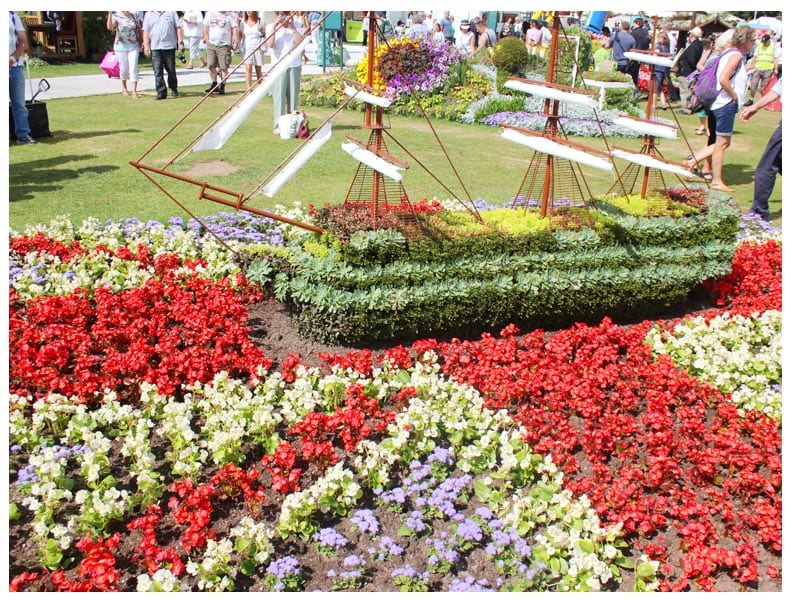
x=83, y=170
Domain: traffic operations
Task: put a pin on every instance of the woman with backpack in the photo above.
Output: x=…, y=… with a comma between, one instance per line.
x=731, y=77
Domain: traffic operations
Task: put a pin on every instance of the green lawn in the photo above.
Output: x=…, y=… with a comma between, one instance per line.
x=83, y=169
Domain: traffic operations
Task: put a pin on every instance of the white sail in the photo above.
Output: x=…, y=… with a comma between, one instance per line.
x=374, y=162
x=216, y=137
x=367, y=97
x=552, y=93
x=650, y=59
x=320, y=138
x=648, y=161
x=547, y=146
x=655, y=129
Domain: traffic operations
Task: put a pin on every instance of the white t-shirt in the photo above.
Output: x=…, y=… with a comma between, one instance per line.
x=285, y=41
x=219, y=28
x=738, y=81
x=14, y=25
x=194, y=28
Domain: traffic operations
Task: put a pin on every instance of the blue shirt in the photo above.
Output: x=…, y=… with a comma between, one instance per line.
x=447, y=27
x=622, y=42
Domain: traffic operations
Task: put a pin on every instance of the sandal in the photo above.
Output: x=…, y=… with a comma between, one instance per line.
x=707, y=176
x=721, y=187
x=700, y=131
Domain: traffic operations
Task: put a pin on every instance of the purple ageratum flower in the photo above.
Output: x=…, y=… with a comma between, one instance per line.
x=415, y=523
x=15, y=273
x=469, y=584
x=443, y=551
x=522, y=548
x=26, y=475
x=388, y=546
x=283, y=567
x=330, y=539
x=36, y=277
x=469, y=531
x=752, y=224
x=418, y=471
x=484, y=513
x=353, y=560
x=366, y=521
x=409, y=571
x=441, y=455
x=395, y=495
x=244, y=227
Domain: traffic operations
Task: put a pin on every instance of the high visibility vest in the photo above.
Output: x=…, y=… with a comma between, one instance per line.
x=764, y=59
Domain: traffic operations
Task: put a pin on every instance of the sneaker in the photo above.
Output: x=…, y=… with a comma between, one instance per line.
x=749, y=102
x=25, y=140
x=212, y=88
x=221, y=88
x=161, y=97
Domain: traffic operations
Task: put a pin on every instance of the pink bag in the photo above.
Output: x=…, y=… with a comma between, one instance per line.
x=110, y=65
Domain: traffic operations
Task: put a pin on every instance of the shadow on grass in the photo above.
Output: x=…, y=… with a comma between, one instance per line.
x=64, y=135
x=737, y=173
x=44, y=175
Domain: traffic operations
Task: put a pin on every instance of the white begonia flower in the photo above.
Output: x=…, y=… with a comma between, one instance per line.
x=144, y=583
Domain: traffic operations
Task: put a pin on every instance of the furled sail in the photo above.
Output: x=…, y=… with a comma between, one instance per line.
x=374, y=162
x=320, y=137
x=216, y=137
x=555, y=148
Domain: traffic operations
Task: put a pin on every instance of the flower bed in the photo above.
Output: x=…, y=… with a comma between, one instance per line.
x=581, y=460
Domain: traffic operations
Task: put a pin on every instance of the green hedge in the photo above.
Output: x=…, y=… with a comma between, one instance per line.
x=381, y=287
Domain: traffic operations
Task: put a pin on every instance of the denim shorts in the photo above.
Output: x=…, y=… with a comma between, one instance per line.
x=725, y=118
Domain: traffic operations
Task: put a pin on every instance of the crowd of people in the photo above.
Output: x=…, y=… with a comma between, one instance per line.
x=747, y=64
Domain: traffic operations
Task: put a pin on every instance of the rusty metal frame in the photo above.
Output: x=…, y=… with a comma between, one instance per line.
x=207, y=191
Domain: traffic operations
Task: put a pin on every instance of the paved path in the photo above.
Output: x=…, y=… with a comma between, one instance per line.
x=92, y=85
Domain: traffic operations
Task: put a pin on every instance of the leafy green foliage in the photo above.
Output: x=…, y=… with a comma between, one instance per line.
x=381, y=246
x=496, y=103
x=510, y=55
x=466, y=278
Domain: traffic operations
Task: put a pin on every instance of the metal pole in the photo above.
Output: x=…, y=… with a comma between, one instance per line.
x=323, y=41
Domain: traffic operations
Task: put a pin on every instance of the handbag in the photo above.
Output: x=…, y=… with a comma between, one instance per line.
x=110, y=65
x=303, y=130
x=293, y=125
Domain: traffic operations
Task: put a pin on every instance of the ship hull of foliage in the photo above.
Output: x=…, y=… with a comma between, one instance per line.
x=383, y=285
